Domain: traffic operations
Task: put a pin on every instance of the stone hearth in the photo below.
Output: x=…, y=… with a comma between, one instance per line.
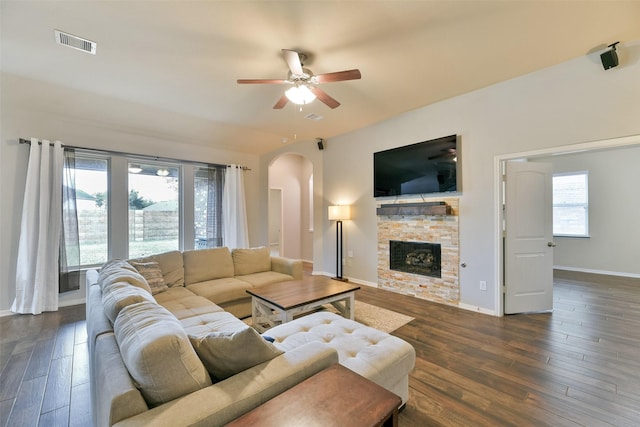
x=435, y=223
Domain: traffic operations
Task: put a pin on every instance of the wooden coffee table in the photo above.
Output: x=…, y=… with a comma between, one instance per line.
x=278, y=303
x=334, y=397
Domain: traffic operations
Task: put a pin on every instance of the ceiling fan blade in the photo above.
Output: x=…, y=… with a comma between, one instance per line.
x=281, y=103
x=260, y=81
x=293, y=61
x=339, y=76
x=324, y=97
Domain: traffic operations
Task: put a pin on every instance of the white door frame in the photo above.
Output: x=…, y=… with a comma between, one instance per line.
x=498, y=164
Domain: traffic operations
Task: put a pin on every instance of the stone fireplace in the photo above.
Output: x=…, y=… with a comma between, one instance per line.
x=415, y=257
x=418, y=249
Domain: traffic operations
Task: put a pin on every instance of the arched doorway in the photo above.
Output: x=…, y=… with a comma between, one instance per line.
x=290, y=183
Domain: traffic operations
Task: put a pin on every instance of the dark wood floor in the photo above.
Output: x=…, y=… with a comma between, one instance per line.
x=44, y=378
x=577, y=366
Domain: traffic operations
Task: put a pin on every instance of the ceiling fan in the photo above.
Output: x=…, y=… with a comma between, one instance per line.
x=304, y=83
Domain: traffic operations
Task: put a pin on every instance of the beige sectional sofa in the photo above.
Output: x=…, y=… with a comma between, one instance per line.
x=143, y=365
x=166, y=347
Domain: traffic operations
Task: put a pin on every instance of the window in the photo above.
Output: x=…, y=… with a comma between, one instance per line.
x=154, y=215
x=91, y=179
x=208, y=184
x=571, y=204
x=133, y=206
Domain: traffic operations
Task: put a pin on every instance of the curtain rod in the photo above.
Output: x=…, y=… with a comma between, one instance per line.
x=122, y=153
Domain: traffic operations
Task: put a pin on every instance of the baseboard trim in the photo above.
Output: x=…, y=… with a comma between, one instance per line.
x=363, y=282
x=76, y=301
x=592, y=271
x=477, y=309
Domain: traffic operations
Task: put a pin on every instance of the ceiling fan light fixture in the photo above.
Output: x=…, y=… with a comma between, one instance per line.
x=300, y=94
x=134, y=168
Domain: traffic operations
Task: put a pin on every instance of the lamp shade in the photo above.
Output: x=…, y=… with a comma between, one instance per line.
x=340, y=212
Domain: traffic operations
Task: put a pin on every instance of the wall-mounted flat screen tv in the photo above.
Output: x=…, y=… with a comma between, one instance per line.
x=423, y=168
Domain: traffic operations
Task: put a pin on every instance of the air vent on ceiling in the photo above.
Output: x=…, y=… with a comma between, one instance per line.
x=313, y=116
x=75, y=42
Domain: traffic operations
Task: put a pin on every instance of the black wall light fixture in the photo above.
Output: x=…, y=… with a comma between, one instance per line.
x=610, y=58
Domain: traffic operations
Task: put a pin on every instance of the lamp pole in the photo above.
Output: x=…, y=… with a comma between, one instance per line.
x=339, y=249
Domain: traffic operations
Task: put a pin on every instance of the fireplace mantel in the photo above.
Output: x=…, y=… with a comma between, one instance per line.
x=424, y=208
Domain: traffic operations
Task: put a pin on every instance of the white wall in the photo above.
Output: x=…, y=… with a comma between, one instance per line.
x=570, y=103
x=614, y=212
x=36, y=109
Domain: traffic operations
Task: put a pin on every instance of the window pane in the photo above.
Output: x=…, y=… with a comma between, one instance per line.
x=569, y=220
x=92, y=177
x=154, y=219
x=569, y=189
x=208, y=185
x=570, y=204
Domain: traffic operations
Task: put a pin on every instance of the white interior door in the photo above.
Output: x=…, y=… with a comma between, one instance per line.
x=275, y=221
x=528, y=243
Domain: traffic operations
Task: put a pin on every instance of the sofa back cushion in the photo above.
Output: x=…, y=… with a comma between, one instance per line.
x=253, y=260
x=207, y=264
x=119, y=295
x=157, y=353
x=118, y=270
x=171, y=265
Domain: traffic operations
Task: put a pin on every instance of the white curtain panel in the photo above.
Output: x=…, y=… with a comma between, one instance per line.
x=38, y=249
x=234, y=210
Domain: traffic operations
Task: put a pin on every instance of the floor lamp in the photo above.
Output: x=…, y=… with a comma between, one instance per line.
x=338, y=214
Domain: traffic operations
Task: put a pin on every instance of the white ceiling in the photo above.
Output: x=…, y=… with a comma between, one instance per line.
x=185, y=56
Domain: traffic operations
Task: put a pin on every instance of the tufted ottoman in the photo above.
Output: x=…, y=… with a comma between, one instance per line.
x=376, y=355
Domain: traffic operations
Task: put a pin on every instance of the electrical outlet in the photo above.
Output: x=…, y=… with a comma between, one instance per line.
x=483, y=285
x=350, y=254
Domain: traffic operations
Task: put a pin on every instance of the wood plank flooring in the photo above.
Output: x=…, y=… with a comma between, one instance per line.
x=577, y=366
x=44, y=378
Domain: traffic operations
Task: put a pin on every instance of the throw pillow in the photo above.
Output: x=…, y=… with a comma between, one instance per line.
x=225, y=354
x=171, y=265
x=153, y=274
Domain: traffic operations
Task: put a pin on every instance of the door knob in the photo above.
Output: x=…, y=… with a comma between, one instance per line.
x=551, y=244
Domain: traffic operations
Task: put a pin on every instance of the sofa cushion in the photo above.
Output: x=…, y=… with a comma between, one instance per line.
x=194, y=305
x=252, y=260
x=222, y=290
x=208, y=322
x=157, y=353
x=177, y=292
x=121, y=271
x=227, y=353
x=119, y=295
x=171, y=265
x=207, y=264
x=212, y=322
x=153, y=275
x=265, y=278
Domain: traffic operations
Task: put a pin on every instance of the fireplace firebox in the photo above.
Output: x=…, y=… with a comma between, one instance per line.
x=415, y=257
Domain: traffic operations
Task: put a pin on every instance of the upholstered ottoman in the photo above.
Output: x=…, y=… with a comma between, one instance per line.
x=376, y=355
